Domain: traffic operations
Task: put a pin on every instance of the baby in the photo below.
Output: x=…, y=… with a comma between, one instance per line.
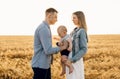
x=62, y=32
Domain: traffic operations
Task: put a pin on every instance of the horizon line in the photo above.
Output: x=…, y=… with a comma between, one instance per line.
x=52, y=35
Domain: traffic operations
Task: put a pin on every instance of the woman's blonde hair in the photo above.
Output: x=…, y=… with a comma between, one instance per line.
x=81, y=18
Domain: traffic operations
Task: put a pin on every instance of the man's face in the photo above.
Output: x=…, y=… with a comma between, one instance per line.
x=53, y=18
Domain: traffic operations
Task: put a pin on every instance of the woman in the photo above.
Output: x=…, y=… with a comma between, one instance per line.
x=79, y=49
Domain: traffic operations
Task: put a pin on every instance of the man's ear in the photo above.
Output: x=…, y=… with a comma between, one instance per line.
x=48, y=15
x=51, y=16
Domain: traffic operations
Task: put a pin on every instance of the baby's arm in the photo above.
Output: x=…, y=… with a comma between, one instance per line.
x=70, y=44
x=59, y=42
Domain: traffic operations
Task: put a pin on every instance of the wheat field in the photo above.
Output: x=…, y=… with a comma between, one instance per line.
x=102, y=60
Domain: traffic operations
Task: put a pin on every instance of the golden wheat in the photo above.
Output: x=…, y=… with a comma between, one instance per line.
x=102, y=60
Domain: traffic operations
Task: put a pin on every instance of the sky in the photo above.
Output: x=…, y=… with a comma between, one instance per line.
x=22, y=17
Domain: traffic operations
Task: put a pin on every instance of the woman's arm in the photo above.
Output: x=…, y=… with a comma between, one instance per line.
x=83, y=46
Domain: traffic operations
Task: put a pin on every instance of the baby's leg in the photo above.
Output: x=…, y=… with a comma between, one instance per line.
x=63, y=69
x=63, y=58
x=69, y=65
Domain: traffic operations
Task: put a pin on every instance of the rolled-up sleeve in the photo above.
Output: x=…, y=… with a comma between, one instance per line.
x=45, y=39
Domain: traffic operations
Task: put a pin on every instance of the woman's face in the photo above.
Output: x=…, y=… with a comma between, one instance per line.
x=75, y=19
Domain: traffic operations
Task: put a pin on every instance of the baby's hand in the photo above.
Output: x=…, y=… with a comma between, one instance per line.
x=55, y=38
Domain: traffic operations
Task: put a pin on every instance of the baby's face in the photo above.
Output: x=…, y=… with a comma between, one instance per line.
x=61, y=33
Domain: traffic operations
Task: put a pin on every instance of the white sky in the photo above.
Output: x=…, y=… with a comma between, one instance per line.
x=21, y=17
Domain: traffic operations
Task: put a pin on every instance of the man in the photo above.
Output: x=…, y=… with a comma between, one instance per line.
x=43, y=49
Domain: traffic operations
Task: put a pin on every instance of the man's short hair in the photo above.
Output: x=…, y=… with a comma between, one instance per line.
x=51, y=10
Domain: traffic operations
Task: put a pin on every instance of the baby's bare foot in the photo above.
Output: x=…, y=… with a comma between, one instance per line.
x=71, y=69
x=63, y=72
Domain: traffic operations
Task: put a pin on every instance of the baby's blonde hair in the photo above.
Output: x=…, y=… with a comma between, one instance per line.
x=62, y=27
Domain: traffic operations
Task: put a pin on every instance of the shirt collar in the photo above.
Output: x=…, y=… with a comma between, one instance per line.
x=76, y=29
x=46, y=24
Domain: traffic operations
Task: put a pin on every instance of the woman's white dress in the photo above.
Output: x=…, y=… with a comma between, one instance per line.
x=78, y=72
